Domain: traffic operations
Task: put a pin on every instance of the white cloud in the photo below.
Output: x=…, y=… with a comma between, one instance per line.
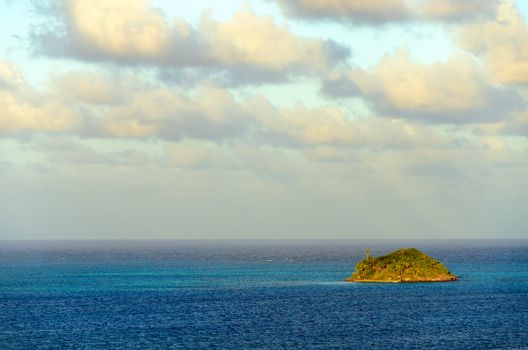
x=502, y=43
x=129, y=32
x=208, y=113
x=23, y=109
x=454, y=91
x=128, y=108
x=90, y=88
x=328, y=126
x=125, y=107
x=10, y=76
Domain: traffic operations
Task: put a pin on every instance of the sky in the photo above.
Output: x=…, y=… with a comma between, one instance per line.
x=298, y=119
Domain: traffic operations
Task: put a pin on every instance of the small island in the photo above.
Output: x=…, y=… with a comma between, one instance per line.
x=401, y=266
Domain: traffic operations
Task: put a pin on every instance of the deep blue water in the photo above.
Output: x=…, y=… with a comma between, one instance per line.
x=256, y=295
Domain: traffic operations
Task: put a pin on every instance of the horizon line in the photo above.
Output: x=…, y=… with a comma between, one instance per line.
x=263, y=239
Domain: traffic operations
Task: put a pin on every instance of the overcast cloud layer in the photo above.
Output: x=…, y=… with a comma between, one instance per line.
x=122, y=120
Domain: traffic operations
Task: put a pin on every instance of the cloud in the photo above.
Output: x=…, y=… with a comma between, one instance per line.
x=127, y=106
x=212, y=113
x=90, y=88
x=73, y=151
x=437, y=168
x=131, y=33
x=162, y=112
x=328, y=128
x=10, y=76
x=502, y=43
x=198, y=155
x=122, y=106
x=454, y=91
x=389, y=11
x=199, y=178
x=23, y=109
x=355, y=10
x=454, y=10
x=515, y=125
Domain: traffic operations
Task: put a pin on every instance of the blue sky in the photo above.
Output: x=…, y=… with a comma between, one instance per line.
x=263, y=119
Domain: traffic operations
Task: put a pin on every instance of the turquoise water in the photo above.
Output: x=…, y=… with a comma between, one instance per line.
x=256, y=295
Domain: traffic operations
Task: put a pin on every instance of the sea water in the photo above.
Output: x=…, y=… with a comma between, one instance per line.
x=256, y=295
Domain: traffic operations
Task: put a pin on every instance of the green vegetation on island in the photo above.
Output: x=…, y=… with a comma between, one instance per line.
x=400, y=266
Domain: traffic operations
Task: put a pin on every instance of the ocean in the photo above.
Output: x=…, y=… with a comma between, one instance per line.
x=241, y=294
